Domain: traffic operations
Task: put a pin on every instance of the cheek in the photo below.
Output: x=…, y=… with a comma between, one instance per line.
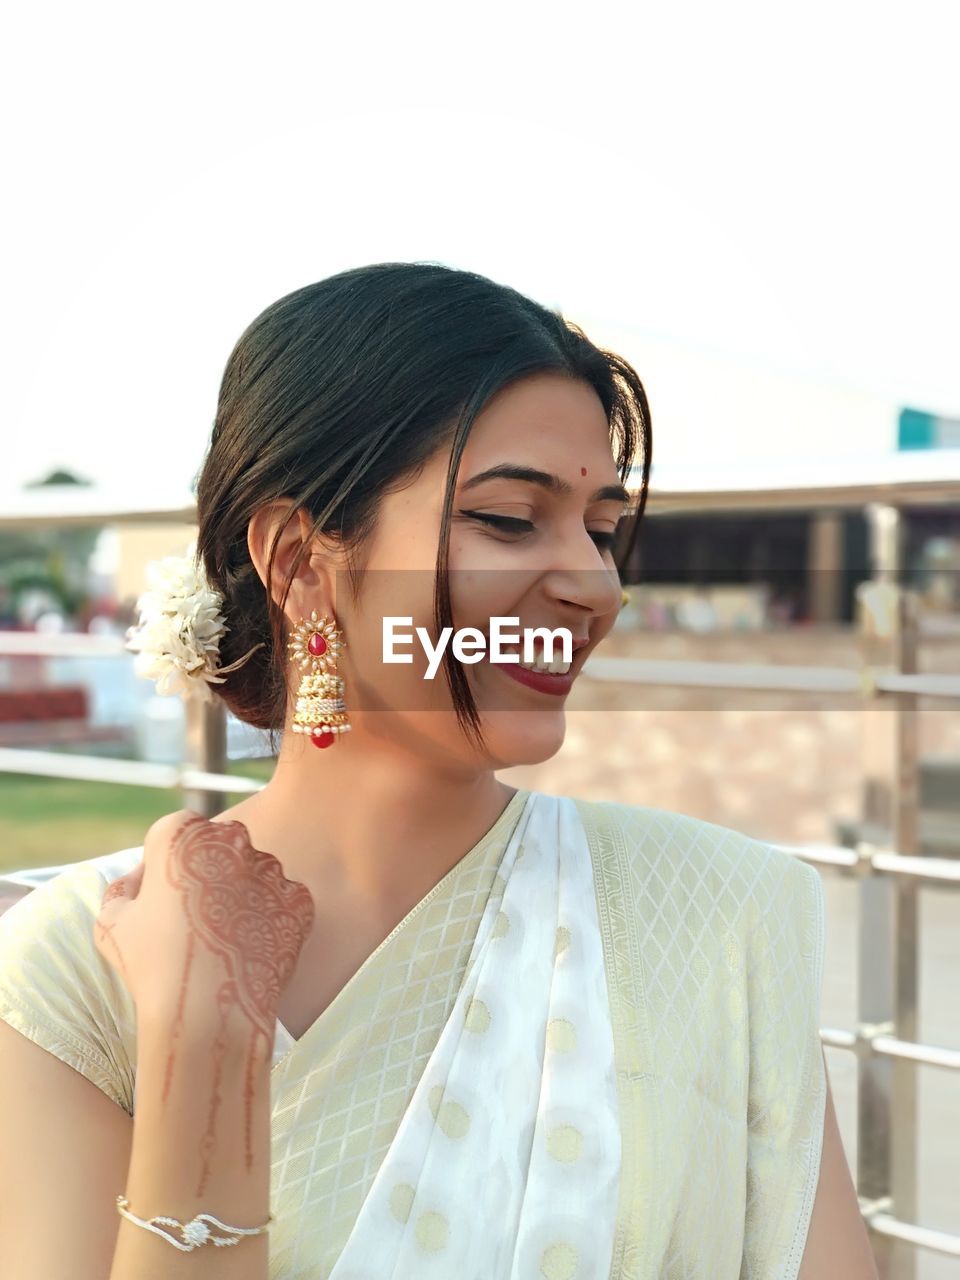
x=477, y=595
x=485, y=582
x=390, y=593
x=375, y=683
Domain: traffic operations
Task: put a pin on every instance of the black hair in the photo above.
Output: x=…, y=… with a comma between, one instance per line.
x=338, y=391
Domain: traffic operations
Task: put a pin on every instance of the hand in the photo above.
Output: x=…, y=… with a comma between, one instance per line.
x=205, y=924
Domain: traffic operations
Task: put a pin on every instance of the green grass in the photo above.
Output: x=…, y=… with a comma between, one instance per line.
x=49, y=821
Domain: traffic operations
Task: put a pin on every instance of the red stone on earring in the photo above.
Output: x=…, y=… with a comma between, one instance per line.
x=317, y=645
x=322, y=737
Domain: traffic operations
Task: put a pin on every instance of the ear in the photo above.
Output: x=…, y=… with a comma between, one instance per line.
x=314, y=582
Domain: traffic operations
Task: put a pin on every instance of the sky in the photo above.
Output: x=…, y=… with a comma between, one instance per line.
x=768, y=187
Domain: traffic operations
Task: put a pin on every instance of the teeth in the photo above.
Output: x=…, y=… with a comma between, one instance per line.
x=556, y=667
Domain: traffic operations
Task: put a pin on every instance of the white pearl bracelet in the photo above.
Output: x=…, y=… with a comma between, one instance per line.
x=195, y=1233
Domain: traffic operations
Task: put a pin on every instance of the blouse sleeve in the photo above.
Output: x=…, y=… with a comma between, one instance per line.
x=56, y=988
x=786, y=1092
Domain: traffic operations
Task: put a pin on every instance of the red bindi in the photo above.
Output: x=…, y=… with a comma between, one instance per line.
x=583, y=471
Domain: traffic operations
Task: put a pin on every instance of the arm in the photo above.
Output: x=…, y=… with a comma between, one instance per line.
x=67, y=1151
x=205, y=1024
x=177, y=1171
x=838, y=1246
x=227, y=926
x=64, y=1147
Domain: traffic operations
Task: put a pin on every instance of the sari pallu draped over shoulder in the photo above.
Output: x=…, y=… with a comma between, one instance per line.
x=505, y=1156
x=591, y=1051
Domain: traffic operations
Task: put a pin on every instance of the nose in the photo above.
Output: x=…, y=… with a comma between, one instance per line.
x=579, y=576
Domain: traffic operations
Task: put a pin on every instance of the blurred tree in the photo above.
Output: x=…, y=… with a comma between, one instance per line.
x=51, y=559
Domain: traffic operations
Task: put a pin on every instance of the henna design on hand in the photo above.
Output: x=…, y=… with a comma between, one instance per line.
x=178, y=1020
x=117, y=889
x=240, y=905
x=106, y=933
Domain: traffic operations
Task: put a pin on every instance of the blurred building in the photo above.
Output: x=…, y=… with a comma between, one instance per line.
x=759, y=487
x=788, y=543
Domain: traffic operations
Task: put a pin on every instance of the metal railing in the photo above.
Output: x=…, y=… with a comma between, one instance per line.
x=884, y=1039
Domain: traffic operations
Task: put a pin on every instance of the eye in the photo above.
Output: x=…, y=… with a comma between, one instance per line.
x=603, y=539
x=507, y=524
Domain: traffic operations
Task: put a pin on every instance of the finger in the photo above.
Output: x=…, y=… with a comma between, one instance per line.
x=117, y=892
x=165, y=835
x=163, y=832
x=122, y=889
x=118, y=888
x=105, y=923
x=132, y=881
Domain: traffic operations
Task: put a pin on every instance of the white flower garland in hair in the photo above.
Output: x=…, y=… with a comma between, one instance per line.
x=177, y=640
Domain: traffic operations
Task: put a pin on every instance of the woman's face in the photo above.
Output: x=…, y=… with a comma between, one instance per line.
x=538, y=552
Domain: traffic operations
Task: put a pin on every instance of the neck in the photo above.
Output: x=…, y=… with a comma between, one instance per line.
x=368, y=825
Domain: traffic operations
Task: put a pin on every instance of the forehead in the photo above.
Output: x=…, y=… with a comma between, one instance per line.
x=539, y=417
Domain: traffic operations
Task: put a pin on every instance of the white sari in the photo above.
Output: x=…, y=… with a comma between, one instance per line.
x=507, y=1158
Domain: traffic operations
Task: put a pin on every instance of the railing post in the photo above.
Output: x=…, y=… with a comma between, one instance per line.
x=887, y=986
x=823, y=575
x=205, y=747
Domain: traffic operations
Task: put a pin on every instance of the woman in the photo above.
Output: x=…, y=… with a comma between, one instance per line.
x=443, y=1028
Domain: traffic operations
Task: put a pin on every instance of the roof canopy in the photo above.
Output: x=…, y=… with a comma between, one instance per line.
x=923, y=477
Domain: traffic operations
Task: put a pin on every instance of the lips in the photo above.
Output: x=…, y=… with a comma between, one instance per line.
x=541, y=681
x=577, y=642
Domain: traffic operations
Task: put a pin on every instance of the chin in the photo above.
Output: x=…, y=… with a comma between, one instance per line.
x=523, y=737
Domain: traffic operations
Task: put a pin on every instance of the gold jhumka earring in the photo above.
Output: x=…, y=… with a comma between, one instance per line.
x=320, y=711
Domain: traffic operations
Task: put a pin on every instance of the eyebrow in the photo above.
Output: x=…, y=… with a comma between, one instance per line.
x=546, y=480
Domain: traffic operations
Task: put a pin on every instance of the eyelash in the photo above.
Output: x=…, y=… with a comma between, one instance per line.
x=511, y=524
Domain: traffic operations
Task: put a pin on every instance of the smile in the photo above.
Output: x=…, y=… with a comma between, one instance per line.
x=543, y=681
x=470, y=645
x=557, y=666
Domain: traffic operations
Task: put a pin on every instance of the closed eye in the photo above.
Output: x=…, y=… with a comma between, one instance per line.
x=509, y=524
x=603, y=538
